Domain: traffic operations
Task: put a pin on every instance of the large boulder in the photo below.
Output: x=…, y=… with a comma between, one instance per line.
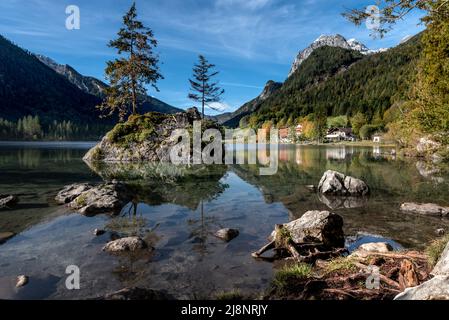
x=436, y=288
x=125, y=244
x=7, y=201
x=145, y=137
x=442, y=266
x=317, y=227
x=429, y=209
x=336, y=183
x=90, y=200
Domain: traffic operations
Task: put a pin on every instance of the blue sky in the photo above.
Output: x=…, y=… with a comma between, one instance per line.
x=250, y=41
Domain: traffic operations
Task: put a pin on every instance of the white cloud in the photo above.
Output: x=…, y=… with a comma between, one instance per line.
x=240, y=85
x=248, y=4
x=218, y=106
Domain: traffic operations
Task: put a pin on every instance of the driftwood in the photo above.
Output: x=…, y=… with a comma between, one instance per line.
x=306, y=252
x=396, y=272
x=408, y=277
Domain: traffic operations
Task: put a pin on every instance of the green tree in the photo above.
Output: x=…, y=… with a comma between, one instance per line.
x=392, y=11
x=357, y=122
x=319, y=124
x=428, y=107
x=203, y=90
x=136, y=66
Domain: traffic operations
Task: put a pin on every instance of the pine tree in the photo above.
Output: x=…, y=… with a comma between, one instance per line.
x=203, y=89
x=136, y=67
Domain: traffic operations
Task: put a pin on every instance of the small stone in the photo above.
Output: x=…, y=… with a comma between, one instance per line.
x=22, y=280
x=99, y=232
x=382, y=247
x=429, y=209
x=440, y=232
x=125, y=244
x=365, y=249
x=7, y=201
x=311, y=187
x=4, y=236
x=227, y=234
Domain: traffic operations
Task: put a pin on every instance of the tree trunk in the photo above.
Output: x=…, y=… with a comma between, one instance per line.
x=202, y=100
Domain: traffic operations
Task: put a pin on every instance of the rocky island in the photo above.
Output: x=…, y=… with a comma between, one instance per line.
x=145, y=137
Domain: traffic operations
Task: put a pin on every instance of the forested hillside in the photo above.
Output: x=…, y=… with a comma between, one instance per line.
x=343, y=82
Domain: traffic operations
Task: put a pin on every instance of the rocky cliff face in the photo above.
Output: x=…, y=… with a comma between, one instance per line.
x=87, y=84
x=145, y=137
x=95, y=87
x=331, y=41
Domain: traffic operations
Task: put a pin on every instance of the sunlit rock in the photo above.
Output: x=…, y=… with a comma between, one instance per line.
x=7, y=201
x=429, y=209
x=336, y=183
x=318, y=227
x=129, y=244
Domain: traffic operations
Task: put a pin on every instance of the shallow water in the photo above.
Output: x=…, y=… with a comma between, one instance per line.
x=179, y=216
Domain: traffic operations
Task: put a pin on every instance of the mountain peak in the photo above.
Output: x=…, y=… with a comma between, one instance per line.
x=335, y=40
x=270, y=87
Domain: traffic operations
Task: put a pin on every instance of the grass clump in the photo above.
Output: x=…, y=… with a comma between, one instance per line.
x=435, y=249
x=291, y=273
x=97, y=154
x=137, y=129
x=341, y=264
x=81, y=200
x=283, y=237
x=233, y=295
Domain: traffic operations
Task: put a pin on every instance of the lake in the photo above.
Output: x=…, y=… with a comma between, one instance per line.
x=178, y=213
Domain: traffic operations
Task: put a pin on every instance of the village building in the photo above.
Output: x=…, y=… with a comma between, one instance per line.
x=340, y=134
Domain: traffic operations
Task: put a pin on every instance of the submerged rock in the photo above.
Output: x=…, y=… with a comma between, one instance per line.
x=89, y=200
x=336, y=183
x=99, y=232
x=317, y=227
x=227, y=234
x=125, y=244
x=137, y=294
x=429, y=209
x=7, y=201
x=21, y=281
